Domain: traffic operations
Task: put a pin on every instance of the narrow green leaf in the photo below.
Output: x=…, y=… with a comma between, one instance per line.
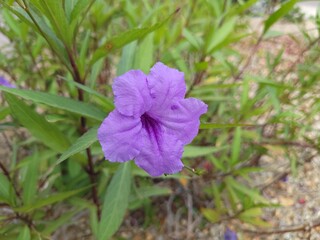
x=127, y=58
x=192, y=39
x=283, y=10
x=48, y=133
x=4, y=112
x=221, y=34
x=252, y=212
x=79, y=8
x=147, y=192
x=115, y=202
x=211, y=214
x=126, y=37
x=144, y=56
x=217, y=197
x=39, y=24
x=240, y=9
x=198, y=151
x=52, y=199
x=59, y=102
x=236, y=146
x=107, y=103
x=221, y=125
x=24, y=234
x=54, y=11
x=62, y=220
x=253, y=194
x=68, y=7
x=5, y=189
x=80, y=144
x=29, y=184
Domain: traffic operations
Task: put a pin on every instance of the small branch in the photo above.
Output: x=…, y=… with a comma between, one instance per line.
x=300, y=58
x=287, y=143
x=83, y=128
x=249, y=59
x=7, y=174
x=93, y=180
x=197, y=78
x=294, y=228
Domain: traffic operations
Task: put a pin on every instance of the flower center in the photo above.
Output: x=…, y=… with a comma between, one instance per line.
x=152, y=127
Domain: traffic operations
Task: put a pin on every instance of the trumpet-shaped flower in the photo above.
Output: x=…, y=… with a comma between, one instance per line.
x=152, y=120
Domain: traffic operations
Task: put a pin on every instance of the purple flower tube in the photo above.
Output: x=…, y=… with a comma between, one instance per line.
x=152, y=120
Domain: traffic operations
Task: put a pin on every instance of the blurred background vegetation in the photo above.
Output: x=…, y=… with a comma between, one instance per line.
x=261, y=84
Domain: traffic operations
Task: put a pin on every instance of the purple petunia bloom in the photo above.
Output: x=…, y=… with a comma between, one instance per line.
x=5, y=83
x=152, y=120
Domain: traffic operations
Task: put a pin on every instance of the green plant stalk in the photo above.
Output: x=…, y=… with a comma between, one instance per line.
x=77, y=78
x=90, y=170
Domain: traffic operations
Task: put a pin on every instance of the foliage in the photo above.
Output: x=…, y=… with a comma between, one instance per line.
x=62, y=56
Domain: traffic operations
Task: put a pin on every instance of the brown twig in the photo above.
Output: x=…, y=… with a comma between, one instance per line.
x=7, y=174
x=197, y=78
x=90, y=170
x=286, y=143
x=300, y=57
x=249, y=59
x=295, y=228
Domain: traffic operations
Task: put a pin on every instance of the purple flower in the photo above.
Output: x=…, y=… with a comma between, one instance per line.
x=152, y=120
x=230, y=235
x=5, y=83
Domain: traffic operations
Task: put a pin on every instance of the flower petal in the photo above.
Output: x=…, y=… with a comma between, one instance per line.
x=5, y=83
x=132, y=95
x=181, y=118
x=161, y=151
x=165, y=84
x=119, y=137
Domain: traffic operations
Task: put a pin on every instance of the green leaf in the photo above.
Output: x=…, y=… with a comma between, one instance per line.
x=143, y=194
x=29, y=184
x=59, y=102
x=236, y=146
x=115, y=202
x=126, y=37
x=283, y=10
x=250, y=213
x=48, y=133
x=127, y=58
x=39, y=24
x=144, y=56
x=221, y=34
x=24, y=234
x=80, y=144
x=52, y=199
x=222, y=125
x=149, y=191
x=62, y=220
x=106, y=102
x=79, y=8
x=54, y=11
x=217, y=197
x=253, y=194
x=192, y=39
x=243, y=7
x=4, y=112
x=198, y=151
x=211, y=214
x=5, y=189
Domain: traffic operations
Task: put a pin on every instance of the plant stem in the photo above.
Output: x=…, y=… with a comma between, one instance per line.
x=83, y=128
